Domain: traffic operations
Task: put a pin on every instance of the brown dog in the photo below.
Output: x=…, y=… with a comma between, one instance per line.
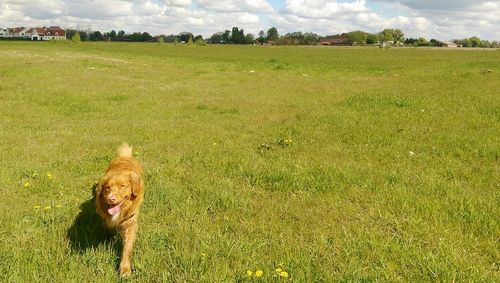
x=118, y=198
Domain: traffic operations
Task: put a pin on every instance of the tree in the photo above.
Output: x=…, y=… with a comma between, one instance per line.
x=310, y=38
x=467, y=43
x=120, y=35
x=198, y=37
x=393, y=34
x=170, y=38
x=475, y=41
x=76, y=38
x=237, y=36
x=422, y=42
x=272, y=34
x=185, y=36
x=358, y=36
x=226, y=36
x=371, y=38
x=105, y=36
x=249, y=38
x=70, y=33
x=398, y=35
x=434, y=42
x=146, y=37
x=262, y=36
x=411, y=41
x=136, y=36
x=486, y=44
x=84, y=36
x=387, y=36
x=380, y=37
x=216, y=38
x=293, y=38
x=112, y=35
x=95, y=36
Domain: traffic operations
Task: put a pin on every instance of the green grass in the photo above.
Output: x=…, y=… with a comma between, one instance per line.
x=392, y=172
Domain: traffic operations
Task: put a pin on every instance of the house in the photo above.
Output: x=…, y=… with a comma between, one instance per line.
x=17, y=32
x=337, y=40
x=34, y=33
x=448, y=44
x=53, y=33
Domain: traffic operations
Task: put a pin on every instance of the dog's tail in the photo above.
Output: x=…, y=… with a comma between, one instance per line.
x=124, y=150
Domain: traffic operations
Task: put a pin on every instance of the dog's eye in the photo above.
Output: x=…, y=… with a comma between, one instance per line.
x=123, y=186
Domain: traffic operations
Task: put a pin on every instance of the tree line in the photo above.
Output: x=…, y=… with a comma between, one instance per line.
x=87, y=35
x=272, y=36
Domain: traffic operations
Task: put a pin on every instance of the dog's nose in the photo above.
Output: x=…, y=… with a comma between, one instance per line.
x=111, y=198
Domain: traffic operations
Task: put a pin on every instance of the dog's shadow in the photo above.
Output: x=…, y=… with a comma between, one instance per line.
x=87, y=231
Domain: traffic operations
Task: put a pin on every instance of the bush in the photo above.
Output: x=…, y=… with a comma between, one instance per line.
x=200, y=42
x=76, y=38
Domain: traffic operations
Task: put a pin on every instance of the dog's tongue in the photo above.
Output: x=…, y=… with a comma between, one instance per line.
x=114, y=209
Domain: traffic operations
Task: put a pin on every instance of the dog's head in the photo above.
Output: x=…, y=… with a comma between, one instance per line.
x=115, y=189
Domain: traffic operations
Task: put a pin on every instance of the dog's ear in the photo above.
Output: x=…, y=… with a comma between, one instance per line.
x=100, y=185
x=135, y=183
x=97, y=188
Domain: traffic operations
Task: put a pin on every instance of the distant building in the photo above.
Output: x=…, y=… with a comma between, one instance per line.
x=34, y=33
x=448, y=44
x=337, y=40
x=17, y=32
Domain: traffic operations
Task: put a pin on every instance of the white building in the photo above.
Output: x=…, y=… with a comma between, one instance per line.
x=34, y=33
x=449, y=44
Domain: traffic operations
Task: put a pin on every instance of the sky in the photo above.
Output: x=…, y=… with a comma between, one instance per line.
x=440, y=19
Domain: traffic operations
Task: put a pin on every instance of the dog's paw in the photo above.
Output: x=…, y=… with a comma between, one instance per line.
x=125, y=270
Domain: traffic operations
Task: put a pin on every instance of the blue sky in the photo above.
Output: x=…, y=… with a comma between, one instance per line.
x=441, y=19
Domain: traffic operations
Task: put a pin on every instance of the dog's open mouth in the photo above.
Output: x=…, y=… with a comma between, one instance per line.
x=114, y=208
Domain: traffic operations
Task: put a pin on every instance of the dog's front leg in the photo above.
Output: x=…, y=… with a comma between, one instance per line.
x=129, y=233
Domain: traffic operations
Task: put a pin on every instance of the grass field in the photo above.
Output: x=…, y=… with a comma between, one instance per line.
x=331, y=164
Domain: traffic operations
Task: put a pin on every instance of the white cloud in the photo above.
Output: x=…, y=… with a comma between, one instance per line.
x=178, y=3
x=443, y=19
x=323, y=9
x=256, y=6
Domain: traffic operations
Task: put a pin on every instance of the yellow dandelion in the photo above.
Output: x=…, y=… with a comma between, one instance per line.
x=49, y=175
x=136, y=153
x=26, y=184
x=284, y=274
x=258, y=273
x=47, y=207
x=58, y=205
x=249, y=273
x=214, y=143
x=203, y=254
x=278, y=270
x=37, y=207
